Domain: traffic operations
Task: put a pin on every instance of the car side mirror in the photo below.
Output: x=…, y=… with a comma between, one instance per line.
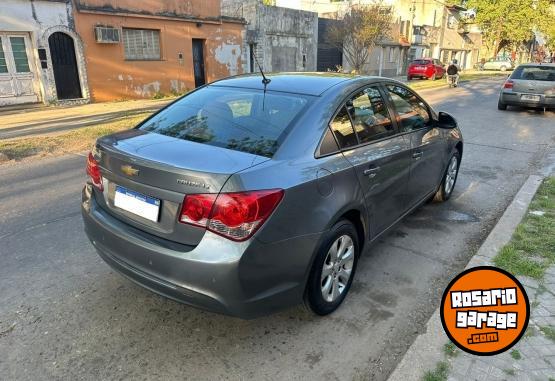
x=446, y=120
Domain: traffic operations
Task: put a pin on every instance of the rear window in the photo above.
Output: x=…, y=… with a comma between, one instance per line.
x=421, y=62
x=239, y=119
x=534, y=73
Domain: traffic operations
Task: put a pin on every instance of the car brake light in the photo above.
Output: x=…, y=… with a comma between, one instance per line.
x=196, y=209
x=93, y=170
x=508, y=85
x=236, y=216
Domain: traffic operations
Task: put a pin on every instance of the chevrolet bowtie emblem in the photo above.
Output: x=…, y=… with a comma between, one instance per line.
x=129, y=170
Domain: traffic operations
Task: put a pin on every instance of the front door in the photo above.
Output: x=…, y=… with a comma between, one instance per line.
x=427, y=145
x=18, y=81
x=64, y=64
x=198, y=62
x=381, y=159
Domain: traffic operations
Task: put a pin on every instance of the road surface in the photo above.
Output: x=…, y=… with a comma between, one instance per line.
x=65, y=315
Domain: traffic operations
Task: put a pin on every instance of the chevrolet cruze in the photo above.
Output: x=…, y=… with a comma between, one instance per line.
x=252, y=194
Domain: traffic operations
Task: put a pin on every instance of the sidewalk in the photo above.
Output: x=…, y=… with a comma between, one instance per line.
x=433, y=357
x=40, y=121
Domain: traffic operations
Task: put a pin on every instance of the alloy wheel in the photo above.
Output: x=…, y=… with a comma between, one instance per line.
x=451, y=175
x=337, y=268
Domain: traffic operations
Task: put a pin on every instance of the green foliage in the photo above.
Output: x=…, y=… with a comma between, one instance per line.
x=532, y=248
x=440, y=373
x=516, y=354
x=510, y=22
x=450, y=350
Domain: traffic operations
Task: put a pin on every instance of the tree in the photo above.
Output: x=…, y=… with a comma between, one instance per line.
x=359, y=31
x=508, y=22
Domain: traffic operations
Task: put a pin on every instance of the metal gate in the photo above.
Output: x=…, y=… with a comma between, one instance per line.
x=64, y=64
x=329, y=57
x=198, y=62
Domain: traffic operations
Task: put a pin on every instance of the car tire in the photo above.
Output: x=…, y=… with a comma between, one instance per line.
x=449, y=179
x=409, y=78
x=327, y=287
x=503, y=68
x=501, y=106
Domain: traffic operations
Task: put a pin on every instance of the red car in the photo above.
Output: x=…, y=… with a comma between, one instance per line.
x=429, y=68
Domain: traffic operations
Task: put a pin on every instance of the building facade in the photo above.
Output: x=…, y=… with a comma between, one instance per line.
x=280, y=39
x=137, y=49
x=446, y=33
x=41, y=55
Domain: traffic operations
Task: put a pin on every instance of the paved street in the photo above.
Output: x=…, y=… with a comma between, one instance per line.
x=65, y=315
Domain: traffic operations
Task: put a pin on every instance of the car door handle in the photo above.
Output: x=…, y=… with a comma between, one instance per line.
x=417, y=155
x=371, y=172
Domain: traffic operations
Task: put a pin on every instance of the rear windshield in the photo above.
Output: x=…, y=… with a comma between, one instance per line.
x=421, y=62
x=239, y=119
x=535, y=73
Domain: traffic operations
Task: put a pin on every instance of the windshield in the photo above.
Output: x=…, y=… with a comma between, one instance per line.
x=238, y=119
x=534, y=73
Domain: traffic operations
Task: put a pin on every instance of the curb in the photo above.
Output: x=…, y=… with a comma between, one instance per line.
x=425, y=351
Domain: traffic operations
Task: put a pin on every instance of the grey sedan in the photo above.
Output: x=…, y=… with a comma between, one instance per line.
x=530, y=85
x=247, y=196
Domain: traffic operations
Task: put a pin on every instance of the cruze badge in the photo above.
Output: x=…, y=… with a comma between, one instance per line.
x=129, y=170
x=193, y=183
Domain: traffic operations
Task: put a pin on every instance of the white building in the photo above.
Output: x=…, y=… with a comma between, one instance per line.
x=41, y=57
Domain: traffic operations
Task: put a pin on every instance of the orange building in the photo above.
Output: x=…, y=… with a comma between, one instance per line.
x=141, y=49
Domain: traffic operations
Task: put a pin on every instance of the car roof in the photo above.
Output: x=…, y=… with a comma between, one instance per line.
x=538, y=64
x=300, y=83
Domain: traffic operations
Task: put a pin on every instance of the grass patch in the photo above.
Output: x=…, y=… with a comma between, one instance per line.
x=549, y=332
x=532, y=248
x=429, y=84
x=450, y=350
x=440, y=373
x=75, y=141
x=515, y=354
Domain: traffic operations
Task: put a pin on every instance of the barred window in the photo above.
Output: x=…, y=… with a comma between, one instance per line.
x=141, y=44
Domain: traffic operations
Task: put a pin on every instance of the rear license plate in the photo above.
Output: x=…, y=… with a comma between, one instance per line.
x=531, y=98
x=137, y=203
x=421, y=68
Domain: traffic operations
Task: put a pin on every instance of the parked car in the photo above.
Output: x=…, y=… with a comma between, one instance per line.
x=530, y=85
x=429, y=68
x=502, y=64
x=244, y=198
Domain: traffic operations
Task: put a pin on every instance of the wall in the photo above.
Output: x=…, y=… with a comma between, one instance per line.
x=174, y=8
x=112, y=77
x=40, y=19
x=282, y=36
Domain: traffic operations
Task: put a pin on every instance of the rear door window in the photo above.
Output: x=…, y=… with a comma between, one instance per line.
x=238, y=119
x=413, y=113
x=370, y=116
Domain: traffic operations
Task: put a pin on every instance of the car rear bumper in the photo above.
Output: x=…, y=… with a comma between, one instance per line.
x=514, y=99
x=242, y=279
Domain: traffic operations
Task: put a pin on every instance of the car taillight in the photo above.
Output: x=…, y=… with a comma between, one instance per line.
x=236, y=216
x=508, y=85
x=93, y=170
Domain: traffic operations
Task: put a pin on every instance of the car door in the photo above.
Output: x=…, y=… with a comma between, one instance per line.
x=381, y=157
x=427, y=145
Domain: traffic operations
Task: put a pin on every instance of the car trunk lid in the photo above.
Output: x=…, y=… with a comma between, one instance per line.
x=160, y=170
